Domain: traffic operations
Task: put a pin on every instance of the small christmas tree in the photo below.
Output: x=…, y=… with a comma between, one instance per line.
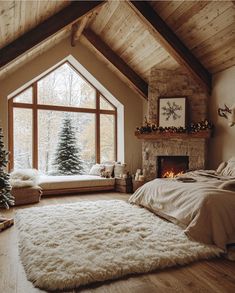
x=67, y=158
x=6, y=199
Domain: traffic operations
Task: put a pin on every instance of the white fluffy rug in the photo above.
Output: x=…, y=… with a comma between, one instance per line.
x=65, y=246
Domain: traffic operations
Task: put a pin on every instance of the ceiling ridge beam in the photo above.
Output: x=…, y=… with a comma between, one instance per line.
x=171, y=43
x=46, y=29
x=139, y=84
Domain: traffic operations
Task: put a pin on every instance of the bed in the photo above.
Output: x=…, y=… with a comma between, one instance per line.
x=202, y=202
x=52, y=185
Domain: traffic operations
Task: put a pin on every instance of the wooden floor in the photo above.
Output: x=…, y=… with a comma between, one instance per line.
x=215, y=276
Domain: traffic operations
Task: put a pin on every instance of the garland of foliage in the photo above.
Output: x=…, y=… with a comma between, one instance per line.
x=190, y=128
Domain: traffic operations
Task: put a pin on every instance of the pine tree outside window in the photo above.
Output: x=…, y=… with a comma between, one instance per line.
x=37, y=116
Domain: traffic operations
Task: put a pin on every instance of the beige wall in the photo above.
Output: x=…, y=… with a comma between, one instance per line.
x=133, y=104
x=222, y=145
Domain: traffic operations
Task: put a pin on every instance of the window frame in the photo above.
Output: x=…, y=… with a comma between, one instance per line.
x=35, y=106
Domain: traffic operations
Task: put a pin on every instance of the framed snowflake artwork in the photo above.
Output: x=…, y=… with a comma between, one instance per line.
x=172, y=111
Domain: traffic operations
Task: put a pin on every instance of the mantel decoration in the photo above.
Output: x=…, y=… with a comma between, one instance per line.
x=190, y=128
x=172, y=111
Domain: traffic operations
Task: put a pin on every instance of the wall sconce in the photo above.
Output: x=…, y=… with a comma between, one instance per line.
x=146, y=154
x=228, y=113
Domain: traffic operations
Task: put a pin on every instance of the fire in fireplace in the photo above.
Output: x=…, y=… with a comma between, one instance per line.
x=171, y=166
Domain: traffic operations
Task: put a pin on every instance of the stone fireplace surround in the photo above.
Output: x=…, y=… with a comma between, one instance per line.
x=172, y=83
x=195, y=149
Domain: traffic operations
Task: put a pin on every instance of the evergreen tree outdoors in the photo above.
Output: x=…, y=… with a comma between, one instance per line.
x=6, y=199
x=67, y=158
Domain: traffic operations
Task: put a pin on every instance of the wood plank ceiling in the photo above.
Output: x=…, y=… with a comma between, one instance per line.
x=205, y=27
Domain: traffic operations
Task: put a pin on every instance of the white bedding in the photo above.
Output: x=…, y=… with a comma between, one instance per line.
x=206, y=211
x=74, y=181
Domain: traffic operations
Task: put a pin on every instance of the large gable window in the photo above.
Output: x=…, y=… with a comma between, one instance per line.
x=38, y=117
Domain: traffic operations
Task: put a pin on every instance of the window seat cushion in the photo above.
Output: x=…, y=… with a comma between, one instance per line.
x=74, y=182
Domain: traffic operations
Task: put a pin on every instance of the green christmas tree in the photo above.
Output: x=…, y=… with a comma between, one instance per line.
x=6, y=199
x=67, y=158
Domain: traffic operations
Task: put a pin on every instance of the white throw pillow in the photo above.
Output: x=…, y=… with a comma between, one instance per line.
x=119, y=169
x=229, y=169
x=97, y=169
x=109, y=169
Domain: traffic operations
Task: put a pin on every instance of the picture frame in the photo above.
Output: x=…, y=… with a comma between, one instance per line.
x=172, y=111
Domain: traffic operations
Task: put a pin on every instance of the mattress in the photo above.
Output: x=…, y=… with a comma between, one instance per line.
x=74, y=181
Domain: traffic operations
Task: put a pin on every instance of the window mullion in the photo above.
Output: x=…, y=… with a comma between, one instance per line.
x=97, y=126
x=35, y=126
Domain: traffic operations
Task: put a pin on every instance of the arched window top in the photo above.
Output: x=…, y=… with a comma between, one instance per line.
x=64, y=86
x=37, y=114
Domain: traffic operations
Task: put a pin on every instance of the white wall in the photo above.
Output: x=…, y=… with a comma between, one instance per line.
x=222, y=145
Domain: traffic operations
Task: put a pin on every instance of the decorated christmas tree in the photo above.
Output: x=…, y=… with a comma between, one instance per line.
x=67, y=158
x=6, y=199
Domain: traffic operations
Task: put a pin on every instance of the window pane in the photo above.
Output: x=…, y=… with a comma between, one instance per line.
x=56, y=140
x=105, y=105
x=107, y=137
x=65, y=87
x=25, y=97
x=22, y=138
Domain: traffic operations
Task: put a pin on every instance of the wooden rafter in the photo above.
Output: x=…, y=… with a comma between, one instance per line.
x=74, y=30
x=136, y=81
x=46, y=29
x=171, y=43
x=78, y=27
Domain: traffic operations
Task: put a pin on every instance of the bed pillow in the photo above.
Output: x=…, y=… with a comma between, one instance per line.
x=221, y=167
x=119, y=169
x=229, y=185
x=229, y=169
x=97, y=170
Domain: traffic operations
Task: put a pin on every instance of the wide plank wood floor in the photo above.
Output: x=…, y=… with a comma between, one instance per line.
x=217, y=275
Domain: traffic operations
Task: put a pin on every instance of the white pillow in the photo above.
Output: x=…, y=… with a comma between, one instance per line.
x=109, y=168
x=221, y=167
x=229, y=169
x=119, y=169
x=97, y=169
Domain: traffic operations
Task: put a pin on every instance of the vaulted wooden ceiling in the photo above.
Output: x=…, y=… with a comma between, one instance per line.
x=129, y=37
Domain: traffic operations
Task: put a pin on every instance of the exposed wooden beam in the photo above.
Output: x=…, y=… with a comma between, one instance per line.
x=78, y=27
x=81, y=26
x=139, y=84
x=46, y=29
x=171, y=43
x=74, y=30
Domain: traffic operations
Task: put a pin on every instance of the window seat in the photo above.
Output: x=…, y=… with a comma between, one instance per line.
x=53, y=185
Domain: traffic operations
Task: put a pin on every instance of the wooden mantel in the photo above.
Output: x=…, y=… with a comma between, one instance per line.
x=176, y=135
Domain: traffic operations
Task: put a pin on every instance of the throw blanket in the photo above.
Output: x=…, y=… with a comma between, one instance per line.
x=24, y=178
x=206, y=211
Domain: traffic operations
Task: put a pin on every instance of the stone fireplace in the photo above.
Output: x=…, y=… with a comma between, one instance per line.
x=172, y=83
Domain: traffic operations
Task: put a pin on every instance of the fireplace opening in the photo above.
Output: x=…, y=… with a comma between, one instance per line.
x=171, y=166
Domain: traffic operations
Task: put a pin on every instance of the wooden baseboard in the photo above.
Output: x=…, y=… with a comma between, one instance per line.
x=5, y=223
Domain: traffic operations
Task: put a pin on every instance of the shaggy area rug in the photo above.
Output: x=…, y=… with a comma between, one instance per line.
x=66, y=246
